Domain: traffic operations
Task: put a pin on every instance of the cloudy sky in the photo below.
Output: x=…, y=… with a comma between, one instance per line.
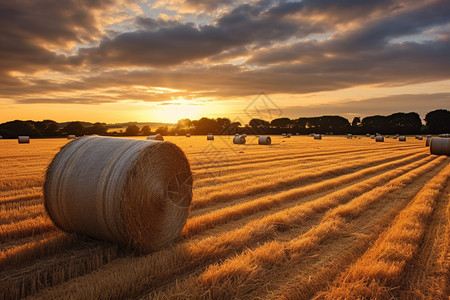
x=120, y=60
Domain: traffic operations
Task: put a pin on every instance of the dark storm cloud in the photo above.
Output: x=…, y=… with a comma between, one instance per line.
x=357, y=49
x=161, y=43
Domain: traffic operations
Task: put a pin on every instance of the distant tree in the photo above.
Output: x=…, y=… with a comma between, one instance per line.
x=97, y=128
x=132, y=130
x=403, y=123
x=146, y=130
x=163, y=130
x=281, y=122
x=47, y=128
x=75, y=128
x=223, y=124
x=374, y=124
x=258, y=123
x=356, y=122
x=15, y=128
x=438, y=121
x=205, y=126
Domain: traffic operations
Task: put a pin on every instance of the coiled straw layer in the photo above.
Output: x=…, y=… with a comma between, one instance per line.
x=133, y=192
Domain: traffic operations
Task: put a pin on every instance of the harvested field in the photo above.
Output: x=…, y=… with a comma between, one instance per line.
x=298, y=219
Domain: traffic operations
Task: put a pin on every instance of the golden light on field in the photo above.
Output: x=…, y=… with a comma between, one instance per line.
x=308, y=218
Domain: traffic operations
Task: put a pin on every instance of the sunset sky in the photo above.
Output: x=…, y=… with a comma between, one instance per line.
x=118, y=61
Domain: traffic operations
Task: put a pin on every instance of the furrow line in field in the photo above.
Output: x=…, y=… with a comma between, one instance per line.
x=269, y=183
x=26, y=228
x=132, y=277
x=21, y=213
x=239, y=163
x=276, y=166
x=203, y=222
x=235, y=276
x=379, y=270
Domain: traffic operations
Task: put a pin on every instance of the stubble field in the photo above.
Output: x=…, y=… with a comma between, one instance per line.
x=299, y=219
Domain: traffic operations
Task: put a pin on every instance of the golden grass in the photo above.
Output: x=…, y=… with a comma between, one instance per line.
x=278, y=221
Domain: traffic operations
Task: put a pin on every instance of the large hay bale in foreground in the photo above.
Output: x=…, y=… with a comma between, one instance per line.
x=156, y=137
x=23, y=139
x=427, y=142
x=440, y=146
x=238, y=139
x=264, y=140
x=129, y=191
x=379, y=139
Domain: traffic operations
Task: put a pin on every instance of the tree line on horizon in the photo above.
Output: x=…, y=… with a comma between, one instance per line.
x=437, y=121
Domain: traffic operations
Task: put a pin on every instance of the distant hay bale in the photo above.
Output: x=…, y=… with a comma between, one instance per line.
x=23, y=139
x=440, y=146
x=379, y=139
x=71, y=137
x=372, y=137
x=1, y=137
x=283, y=134
x=188, y=135
x=395, y=137
x=402, y=138
x=133, y=192
x=317, y=137
x=311, y=134
x=297, y=133
x=349, y=136
x=427, y=142
x=368, y=135
x=420, y=138
x=210, y=137
x=156, y=137
x=289, y=135
x=236, y=134
x=244, y=135
x=239, y=139
x=387, y=136
x=264, y=140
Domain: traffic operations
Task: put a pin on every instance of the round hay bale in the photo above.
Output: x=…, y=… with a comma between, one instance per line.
x=236, y=134
x=239, y=139
x=440, y=146
x=188, y=135
x=244, y=135
x=264, y=140
x=427, y=142
x=317, y=137
x=395, y=137
x=210, y=137
x=156, y=137
x=297, y=133
x=23, y=139
x=71, y=137
x=420, y=138
x=372, y=137
x=133, y=192
x=368, y=135
x=379, y=139
x=402, y=138
x=311, y=134
x=283, y=134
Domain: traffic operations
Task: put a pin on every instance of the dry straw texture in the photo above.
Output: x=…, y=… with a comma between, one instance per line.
x=239, y=139
x=379, y=139
x=156, y=137
x=129, y=191
x=22, y=139
x=440, y=146
x=264, y=140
